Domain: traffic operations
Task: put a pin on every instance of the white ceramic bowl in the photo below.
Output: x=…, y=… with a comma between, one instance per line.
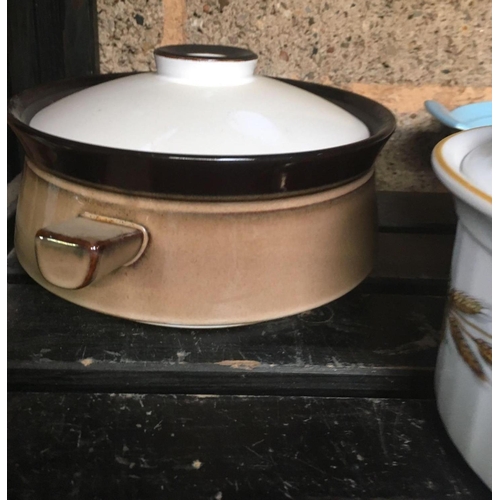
x=464, y=370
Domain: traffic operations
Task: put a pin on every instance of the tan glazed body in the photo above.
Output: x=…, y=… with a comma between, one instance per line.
x=212, y=263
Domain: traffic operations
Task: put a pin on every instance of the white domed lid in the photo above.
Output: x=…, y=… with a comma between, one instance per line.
x=203, y=100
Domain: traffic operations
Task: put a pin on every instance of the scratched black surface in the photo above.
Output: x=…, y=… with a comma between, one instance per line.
x=152, y=446
x=340, y=348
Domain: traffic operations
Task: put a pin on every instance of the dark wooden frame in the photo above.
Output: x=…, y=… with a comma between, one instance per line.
x=47, y=40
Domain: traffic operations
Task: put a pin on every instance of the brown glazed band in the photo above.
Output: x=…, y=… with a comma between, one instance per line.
x=194, y=176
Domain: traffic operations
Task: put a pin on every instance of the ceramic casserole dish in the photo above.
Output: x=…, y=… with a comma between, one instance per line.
x=200, y=194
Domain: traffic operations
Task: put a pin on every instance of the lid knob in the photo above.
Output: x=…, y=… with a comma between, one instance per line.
x=214, y=65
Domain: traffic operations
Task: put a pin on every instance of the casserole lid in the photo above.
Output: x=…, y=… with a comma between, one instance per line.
x=463, y=162
x=196, y=176
x=203, y=100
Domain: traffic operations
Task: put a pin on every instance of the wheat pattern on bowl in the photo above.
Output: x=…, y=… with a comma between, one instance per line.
x=473, y=343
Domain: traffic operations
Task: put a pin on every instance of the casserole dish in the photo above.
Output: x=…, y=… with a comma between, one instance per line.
x=201, y=195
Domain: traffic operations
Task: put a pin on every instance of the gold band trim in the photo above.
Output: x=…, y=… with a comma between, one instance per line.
x=438, y=151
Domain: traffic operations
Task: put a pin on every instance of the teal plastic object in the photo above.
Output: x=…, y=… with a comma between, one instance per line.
x=478, y=114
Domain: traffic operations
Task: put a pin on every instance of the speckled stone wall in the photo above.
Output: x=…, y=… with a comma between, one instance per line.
x=129, y=30
x=399, y=52
x=339, y=41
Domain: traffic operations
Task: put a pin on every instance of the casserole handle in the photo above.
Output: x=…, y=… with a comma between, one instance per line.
x=75, y=253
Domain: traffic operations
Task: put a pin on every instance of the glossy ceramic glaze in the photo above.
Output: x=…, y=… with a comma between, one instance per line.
x=464, y=367
x=212, y=263
x=206, y=94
